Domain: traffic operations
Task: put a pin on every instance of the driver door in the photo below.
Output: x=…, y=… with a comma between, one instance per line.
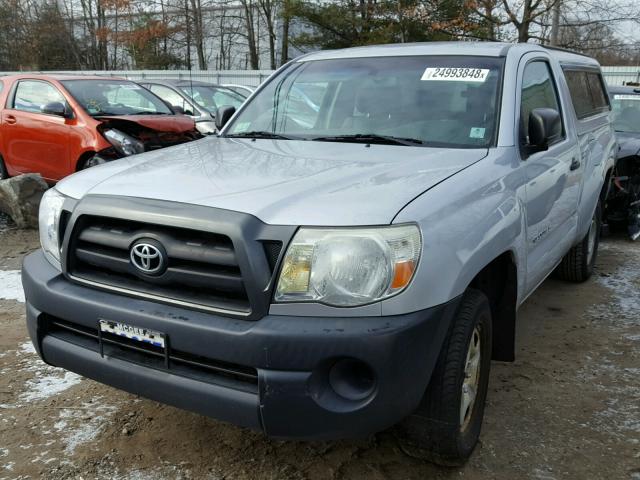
x=553, y=176
x=35, y=142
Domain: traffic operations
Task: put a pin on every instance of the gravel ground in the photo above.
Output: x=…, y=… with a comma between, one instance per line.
x=569, y=407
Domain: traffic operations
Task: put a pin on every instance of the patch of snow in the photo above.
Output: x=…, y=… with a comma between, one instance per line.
x=47, y=380
x=4, y=452
x=620, y=414
x=81, y=425
x=11, y=285
x=27, y=347
x=175, y=472
x=42, y=387
x=9, y=466
x=624, y=285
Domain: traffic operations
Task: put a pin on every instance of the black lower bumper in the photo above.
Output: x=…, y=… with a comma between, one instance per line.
x=315, y=378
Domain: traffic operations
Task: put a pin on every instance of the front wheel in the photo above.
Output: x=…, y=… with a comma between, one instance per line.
x=577, y=265
x=93, y=161
x=446, y=426
x=4, y=174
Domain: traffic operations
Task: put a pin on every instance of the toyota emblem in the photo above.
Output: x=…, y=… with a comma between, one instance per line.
x=148, y=258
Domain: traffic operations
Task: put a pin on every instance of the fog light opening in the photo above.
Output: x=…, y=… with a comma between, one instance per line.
x=352, y=379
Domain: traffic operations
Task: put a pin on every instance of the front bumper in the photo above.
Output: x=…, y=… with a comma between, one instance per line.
x=291, y=397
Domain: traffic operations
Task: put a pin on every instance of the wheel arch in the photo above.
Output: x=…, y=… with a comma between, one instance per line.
x=498, y=280
x=83, y=158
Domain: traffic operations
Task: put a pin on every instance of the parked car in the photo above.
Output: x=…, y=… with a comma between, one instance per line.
x=329, y=279
x=243, y=90
x=196, y=99
x=57, y=125
x=623, y=205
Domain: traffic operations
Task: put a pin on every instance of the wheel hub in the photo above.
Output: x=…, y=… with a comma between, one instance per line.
x=471, y=379
x=591, y=243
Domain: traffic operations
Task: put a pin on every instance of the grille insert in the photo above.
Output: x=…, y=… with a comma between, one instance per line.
x=202, y=271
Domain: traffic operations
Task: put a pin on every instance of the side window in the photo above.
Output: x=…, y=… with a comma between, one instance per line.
x=579, y=90
x=33, y=95
x=596, y=85
x=538, y=91
x=587, y=92
x=169, y=96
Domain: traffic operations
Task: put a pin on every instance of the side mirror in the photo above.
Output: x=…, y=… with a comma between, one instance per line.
x=223, y=114
x=55, y=108
x=178, y=110
x=545, y=128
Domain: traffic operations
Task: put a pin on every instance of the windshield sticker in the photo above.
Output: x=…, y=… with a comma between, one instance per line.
x=455, y=74
x=128, y=86
x=476, y=132
x=626, y=97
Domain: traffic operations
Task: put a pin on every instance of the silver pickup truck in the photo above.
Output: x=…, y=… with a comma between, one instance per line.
x=347, y=255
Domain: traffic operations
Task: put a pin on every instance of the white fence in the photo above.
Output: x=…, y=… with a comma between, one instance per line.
x=617, y=76
x=253, y=78
x=250, y=78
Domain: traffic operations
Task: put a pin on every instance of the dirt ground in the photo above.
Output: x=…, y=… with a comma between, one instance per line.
x=568, y=408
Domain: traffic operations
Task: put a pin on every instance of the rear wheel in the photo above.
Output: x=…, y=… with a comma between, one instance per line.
x=577, y=265
x=446, y=426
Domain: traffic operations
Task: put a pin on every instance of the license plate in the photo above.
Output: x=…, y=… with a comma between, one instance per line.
x=133, y=333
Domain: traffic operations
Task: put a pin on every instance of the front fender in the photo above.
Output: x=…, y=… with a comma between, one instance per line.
x=466, y=222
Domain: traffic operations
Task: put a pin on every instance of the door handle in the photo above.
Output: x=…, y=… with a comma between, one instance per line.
x=575, y=164
x=11, y=120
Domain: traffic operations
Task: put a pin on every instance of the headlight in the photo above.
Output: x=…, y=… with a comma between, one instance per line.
x=206, y=128
x=123, y=143
x=348, y=266
x=49, y=220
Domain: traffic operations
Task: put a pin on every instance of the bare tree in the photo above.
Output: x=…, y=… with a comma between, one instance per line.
x=249, y=7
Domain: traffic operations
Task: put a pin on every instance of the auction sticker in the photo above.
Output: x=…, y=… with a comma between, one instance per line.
x=455, y=74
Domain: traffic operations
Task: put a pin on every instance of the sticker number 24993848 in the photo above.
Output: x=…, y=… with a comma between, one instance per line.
x=455, y=74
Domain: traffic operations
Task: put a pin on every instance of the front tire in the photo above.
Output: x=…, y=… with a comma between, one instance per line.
x=4, y=174
x=577, y=265
x=93, y=161
x=446, y=426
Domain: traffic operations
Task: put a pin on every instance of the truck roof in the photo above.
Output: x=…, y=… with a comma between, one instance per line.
x=483, y=49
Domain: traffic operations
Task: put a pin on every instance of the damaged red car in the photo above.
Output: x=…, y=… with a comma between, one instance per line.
x=56, y=125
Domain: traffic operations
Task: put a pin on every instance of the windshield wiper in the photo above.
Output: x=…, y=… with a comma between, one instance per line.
x=372, y=138
x=145, y=112
x=262, y=134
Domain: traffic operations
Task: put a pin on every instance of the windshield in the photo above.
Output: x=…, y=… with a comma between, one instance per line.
x=115, y=97
x=626, y=112
x=211, y=97
x=420, y=100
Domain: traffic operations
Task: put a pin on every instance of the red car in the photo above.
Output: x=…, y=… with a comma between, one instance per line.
x=57, y=125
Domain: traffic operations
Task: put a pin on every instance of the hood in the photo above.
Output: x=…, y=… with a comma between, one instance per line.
x=629, y=144
x=280, y=181
x=160, y=123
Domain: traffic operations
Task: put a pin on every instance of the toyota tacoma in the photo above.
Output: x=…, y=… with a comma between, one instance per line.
x=329, y=272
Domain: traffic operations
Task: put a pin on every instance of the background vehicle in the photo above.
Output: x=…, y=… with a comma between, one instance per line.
x=196, y=99
x=241, y=89
x=57, y=125
x=333, y=275
x=623, y=205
